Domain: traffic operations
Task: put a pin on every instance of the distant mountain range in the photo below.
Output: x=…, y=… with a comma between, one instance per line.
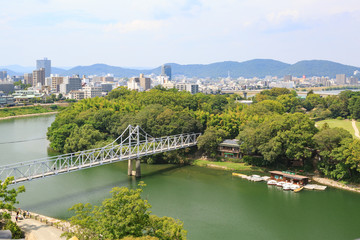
x=253, y=68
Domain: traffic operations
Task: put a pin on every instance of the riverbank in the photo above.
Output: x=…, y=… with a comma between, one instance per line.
x=28, y=115
x=228, y=166
x=245, y=168
x=336, y=184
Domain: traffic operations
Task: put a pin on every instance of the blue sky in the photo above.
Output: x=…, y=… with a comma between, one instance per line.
x=149, y=33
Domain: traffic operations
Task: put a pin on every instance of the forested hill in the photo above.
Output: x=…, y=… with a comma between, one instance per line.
x=253, y=68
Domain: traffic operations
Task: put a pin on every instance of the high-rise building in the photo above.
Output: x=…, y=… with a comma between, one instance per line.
x=91, y=92
x=3, y=75
x=166, y=71
x=38, y=77
x=287, y=78
x=46, y=64
x=55, y=83
x=141, y=83
x=70, y=84
x=192, y=88
x=340, y=79
x=354, y=80
x=28, y=78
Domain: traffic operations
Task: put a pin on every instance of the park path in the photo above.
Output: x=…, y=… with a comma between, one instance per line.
x=355, y=128
x=36, y=230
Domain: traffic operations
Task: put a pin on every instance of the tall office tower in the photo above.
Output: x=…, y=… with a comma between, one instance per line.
x=166, y=71
x=3, y=75
x=340, y=79
x=287, y=78
x=28, y=78
x=39, y=77
x=46, y=64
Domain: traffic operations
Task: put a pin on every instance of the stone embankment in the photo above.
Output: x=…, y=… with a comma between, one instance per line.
x=336, y=184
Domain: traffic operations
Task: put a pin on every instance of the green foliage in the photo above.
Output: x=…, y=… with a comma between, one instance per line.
x=125, y=214
x=15, y=230
x=210, y=140
x=279, y=138
x=255, y=160
x=15, y=111
x=8, y=196
x=166, y=228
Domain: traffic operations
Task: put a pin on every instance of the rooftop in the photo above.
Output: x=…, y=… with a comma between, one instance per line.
x=230, y=143
x=292, y=176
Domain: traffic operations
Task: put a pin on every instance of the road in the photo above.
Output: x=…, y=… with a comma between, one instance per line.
x=36, y=230
x=355, y=128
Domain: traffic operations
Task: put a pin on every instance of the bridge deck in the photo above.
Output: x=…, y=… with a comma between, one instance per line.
x=129, y=148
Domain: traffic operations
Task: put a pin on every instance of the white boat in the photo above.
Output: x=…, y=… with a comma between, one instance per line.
x=280, y=184
x=272, y=182
x=294, y=187
x=265, y=178
x=287, y=186
x=255, y=178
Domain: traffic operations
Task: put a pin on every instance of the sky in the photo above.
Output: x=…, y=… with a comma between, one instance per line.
x=148, y=33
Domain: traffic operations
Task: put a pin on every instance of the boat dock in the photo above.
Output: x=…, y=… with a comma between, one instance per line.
x=277, y=182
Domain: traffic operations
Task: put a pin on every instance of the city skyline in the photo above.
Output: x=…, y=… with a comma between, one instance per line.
x=149, y=34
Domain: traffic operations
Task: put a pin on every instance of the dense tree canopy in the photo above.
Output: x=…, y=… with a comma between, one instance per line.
x=124, y=215
x=278, y=127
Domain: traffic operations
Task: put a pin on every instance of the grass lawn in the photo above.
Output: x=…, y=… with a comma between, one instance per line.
x=346, y=124
x=242, y=167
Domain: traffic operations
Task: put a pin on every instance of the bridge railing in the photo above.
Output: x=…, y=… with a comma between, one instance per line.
x=25, y=171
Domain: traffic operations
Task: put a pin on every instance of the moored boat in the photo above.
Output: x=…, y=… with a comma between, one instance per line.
x=271, y=182
x=286, y=187
x=280, y=184
x=298, y=189
x=294, y=187
x=265, y=178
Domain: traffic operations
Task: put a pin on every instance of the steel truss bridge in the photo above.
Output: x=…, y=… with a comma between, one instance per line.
x=132, y=144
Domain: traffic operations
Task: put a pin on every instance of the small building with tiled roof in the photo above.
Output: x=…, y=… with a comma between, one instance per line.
x=230, y=148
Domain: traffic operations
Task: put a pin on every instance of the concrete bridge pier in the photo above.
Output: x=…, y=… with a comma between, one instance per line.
x=130, y=167
x=131, y=172
x=138, y=168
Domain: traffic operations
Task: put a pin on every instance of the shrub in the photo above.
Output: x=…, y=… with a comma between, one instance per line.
x=234, y=160
x=254, y=160
x=15, y=230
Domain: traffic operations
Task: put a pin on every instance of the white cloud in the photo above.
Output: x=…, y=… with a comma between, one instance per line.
x=134, y=26
x=178, y=30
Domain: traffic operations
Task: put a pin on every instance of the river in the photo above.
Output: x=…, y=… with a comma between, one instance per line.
x=212, y=203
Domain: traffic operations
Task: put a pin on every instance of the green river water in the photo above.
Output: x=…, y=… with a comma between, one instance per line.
x=212, y=203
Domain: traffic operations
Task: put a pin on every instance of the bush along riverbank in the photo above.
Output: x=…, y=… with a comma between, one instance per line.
x=8, y=113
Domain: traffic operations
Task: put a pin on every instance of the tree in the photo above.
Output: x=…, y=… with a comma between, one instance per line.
x=210, y=140
x=279, y=138
x=8, y=196
x=125, y=214
x=354, y=107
